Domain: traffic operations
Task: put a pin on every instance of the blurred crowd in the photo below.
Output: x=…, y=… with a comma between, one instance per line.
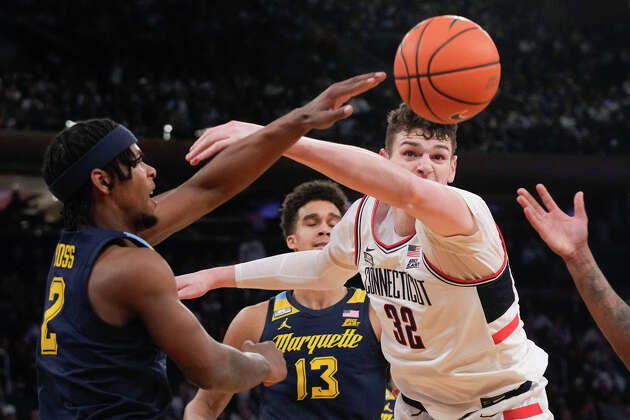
x=586, y=379
x=565, y=86
x=565, y=89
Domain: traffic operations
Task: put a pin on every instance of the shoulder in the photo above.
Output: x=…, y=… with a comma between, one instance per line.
x=248, y=324
x=133, y=269
x=252, y=312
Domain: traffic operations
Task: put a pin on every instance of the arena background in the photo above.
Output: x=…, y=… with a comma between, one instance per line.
x=559, y=118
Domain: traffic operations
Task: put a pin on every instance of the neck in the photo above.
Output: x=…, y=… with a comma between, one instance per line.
x=319, y=299
x=404, y=224
x=106, y=215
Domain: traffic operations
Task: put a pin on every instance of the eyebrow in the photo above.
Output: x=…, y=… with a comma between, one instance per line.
x=415, y=143
x=315, y=216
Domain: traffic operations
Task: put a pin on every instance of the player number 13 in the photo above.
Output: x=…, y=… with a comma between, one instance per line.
x=317, y=363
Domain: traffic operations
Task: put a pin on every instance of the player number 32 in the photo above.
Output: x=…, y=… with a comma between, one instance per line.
x=404, y=326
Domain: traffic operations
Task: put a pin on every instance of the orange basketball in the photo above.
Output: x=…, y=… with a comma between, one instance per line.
x=447, y=69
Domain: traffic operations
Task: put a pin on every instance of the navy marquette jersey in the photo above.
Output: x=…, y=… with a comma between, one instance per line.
x=86, y=368
x=334, y=362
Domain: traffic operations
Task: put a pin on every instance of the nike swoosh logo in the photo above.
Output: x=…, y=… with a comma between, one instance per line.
x=369, y=249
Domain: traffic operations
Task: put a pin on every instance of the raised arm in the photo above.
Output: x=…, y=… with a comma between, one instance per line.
x=246, y=328
x=137, y=283
x=567, y=236
x=439, y=207
x=244, y=161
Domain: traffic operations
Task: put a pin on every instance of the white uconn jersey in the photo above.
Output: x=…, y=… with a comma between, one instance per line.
x=451, y=332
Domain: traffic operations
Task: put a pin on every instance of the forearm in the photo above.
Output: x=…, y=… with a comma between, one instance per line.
x=350, y=166
x=609, y=311
x=206, y=405
x=440, y=208
x=244, y=370
x=242, y=162
x=312, y=270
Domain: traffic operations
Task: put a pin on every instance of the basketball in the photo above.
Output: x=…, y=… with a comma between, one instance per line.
x=447, y=69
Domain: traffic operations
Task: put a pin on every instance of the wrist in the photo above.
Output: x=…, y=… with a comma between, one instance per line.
x=580, y=256
x=225, y=277
x=297, y=122
x=261, y=363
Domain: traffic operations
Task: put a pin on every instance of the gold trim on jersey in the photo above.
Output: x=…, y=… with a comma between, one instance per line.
x=358, y=296
x=282, y=308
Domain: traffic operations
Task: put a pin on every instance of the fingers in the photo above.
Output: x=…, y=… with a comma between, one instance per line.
x=203, y=154
x=363, y=82
x=533, y=218
x=526, y=200
x=357, y=81
x=188, y=292
x=341, y=92
x=578, y=205
x=546, y=198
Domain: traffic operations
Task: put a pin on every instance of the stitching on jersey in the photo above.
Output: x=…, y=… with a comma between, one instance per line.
x=474, y=282
x=357, y=231
x=388, y=249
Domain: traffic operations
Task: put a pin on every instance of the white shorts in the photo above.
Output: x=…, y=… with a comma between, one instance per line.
x=528, y=405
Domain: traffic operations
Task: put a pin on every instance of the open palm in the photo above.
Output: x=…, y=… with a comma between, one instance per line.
x=564, y=234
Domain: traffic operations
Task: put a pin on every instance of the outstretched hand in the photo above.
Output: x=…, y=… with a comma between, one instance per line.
x=326, y=108
x=193, y=285
x=564, y=234
x=217, y=138
x=321, y=112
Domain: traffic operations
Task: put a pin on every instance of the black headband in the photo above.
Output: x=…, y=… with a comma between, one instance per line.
x=103, y=152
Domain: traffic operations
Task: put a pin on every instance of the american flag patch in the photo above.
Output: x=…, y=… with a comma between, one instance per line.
x=350, y=313
x=413, y=251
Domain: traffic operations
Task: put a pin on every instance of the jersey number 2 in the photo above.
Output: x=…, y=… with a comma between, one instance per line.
x=406, y=315
x=49, y=339
x=330, y=363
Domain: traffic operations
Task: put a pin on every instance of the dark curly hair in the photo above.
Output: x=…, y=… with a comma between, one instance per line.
x=404, y=119
x=69, y=146
x=306, y=192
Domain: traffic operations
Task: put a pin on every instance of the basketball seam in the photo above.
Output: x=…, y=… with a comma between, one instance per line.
x=429, y=70
x=439, y=73
x=424, y=99
x=402, y=56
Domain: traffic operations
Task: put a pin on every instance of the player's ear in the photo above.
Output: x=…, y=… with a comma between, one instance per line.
x=101, y=180
x=292, y=242
x=453, y=168
x=383, y=153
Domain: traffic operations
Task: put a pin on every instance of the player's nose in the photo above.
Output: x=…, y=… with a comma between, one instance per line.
x=423, y=165
x=324, y=229
x=151, y=171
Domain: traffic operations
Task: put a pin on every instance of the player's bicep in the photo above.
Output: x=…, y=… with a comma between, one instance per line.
x=440, y=208
x=151, y=294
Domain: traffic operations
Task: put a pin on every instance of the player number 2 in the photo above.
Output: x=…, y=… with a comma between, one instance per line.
x=330, y=363
x=410, y=327
x=49, y=339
